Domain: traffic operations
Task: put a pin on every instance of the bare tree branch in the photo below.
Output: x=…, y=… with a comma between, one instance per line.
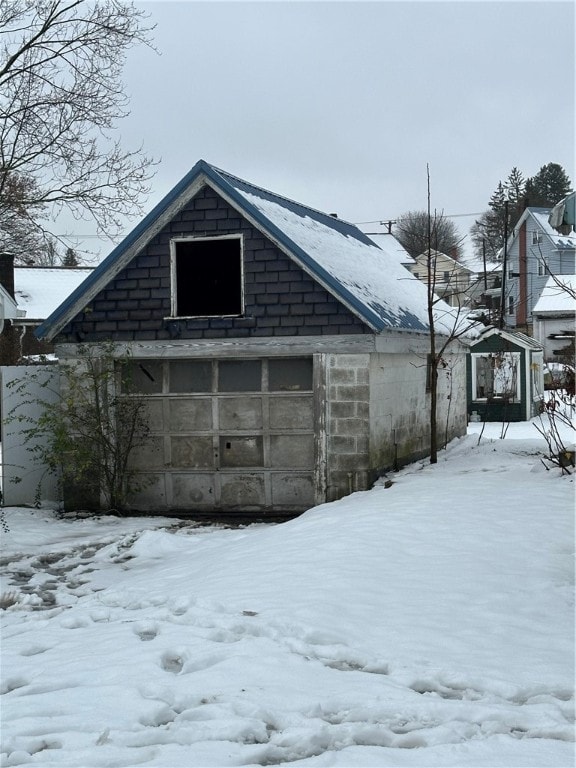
x=61, y=97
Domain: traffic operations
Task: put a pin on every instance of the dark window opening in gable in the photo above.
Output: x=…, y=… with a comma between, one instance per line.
x=208, y=277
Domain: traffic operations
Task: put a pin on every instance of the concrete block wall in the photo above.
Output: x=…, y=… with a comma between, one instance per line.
x=347, y=424
x=280, y=298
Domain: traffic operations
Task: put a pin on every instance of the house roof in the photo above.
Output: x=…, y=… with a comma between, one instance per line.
x=422, y=259
x=368, y=279
x=541, y=216
x=393, y=246
x=40, y=290
x=476, y=265
x=8, y=307
x=558, y=296
x=513, y=337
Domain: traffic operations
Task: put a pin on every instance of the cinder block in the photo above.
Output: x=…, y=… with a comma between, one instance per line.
x=353, y=427
x=339, y=410
x=342, y=376
x=357, y=392
x=341, y=444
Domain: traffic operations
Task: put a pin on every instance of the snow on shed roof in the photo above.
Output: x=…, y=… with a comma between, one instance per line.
x=368, y=279
x=515, y=337
x=557, y=296
x=40, y=290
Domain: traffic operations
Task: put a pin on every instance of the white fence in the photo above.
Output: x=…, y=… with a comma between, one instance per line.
x=22, y=387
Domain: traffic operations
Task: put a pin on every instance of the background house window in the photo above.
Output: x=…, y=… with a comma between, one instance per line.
x=446, y=277
x=207, y=277
x=510, y=305
x=541, y=267
x=536, y=237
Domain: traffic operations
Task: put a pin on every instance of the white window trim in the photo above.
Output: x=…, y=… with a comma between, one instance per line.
x=173, y=287
x=515, y=358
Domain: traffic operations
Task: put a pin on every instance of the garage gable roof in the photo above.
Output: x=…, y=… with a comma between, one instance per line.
x=356, y=271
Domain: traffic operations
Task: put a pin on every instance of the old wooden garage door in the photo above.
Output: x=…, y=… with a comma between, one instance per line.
x=228, y=434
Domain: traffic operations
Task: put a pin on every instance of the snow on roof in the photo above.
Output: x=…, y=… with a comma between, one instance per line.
x=391, y=245
x=558, y=295
x=367, y=279
x=476, y=265
x=516, y=337
x=541, y=215
x=344, y=257
x=39, y=290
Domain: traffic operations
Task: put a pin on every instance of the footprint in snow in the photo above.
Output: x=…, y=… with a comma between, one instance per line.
x=171, y=662
x=34, y=650
x=146, y=632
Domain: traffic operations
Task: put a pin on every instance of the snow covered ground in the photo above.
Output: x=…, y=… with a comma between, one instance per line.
x=426, y=624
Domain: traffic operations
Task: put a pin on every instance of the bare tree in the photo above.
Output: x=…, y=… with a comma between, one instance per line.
x=412, y=232
x=21, y=230
x=444, y=328
x=61, y=96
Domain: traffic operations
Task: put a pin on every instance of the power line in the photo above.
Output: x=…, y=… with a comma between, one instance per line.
x=444, y=215
x=382, y=222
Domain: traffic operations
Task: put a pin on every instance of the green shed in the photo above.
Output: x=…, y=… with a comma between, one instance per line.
x=505, y=376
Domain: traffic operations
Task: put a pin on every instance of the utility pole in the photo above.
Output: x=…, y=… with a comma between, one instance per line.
x=504, y=267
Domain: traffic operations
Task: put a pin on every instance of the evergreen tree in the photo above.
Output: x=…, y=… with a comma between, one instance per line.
x=516, y=195
x=70, y=258
x=487, y=232
x=550, y=185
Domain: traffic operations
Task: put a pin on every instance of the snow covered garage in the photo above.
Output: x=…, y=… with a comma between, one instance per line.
x=283, y=354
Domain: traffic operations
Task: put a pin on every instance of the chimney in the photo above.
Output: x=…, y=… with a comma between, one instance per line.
x=7, y=272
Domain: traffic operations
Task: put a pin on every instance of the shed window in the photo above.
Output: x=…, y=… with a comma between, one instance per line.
x=496, y=375
x=207, y=277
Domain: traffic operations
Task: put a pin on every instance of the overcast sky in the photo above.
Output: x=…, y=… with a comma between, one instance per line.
x=341, y=105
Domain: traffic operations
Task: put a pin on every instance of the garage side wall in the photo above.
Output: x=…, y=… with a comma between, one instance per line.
x=400, y=407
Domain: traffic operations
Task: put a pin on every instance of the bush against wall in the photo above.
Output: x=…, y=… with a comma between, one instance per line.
x=86, y=435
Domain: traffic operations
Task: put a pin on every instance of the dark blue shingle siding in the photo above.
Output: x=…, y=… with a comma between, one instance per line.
x=280, y=298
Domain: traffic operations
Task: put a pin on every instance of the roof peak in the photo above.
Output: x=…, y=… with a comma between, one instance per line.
x=271, y=193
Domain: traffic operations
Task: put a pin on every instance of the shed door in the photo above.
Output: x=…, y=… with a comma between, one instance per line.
x=229, y=434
